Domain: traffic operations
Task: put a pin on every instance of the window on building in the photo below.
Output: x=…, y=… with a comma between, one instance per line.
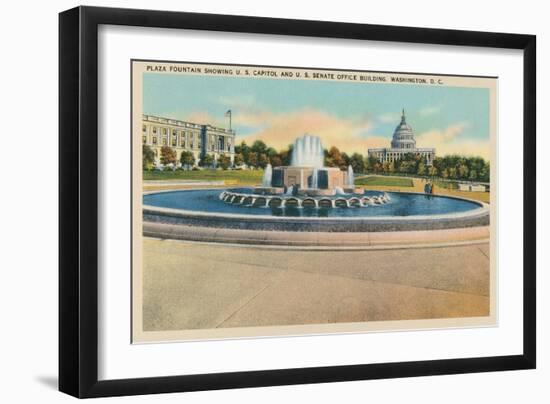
x=154, y=140
x=164, y=141
x=144, y=139
x=164, y=131
x=174, y=142
x=154, y=129
x=144, y=128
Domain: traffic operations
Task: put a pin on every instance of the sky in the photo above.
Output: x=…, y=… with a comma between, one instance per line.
x=350, y=116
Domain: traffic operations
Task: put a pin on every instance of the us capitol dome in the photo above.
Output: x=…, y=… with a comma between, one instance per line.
x=402, y=143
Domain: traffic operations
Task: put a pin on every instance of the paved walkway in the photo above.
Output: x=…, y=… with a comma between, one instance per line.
x=198, y=286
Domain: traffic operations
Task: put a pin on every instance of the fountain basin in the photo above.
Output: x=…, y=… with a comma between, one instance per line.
x=406, y=211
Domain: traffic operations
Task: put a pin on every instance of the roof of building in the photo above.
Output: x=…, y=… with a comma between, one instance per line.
x=186, y=124
x=403, y=140
x=403, y=133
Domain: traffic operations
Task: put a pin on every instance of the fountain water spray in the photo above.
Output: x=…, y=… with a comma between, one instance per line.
x=351, y=178
x=308, y=152
x=268, y=173
x=315, y=179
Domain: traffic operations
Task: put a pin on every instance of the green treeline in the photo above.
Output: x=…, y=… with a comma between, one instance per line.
x=259, y=155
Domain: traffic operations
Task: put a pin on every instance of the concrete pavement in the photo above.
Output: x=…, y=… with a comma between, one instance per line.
x=189, y=285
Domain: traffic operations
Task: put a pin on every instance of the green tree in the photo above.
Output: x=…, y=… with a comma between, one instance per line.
x=207, y=161
x=371, y=163
x=334, y=158
x=224, y=161
x=286, y=155
x=271, y=152
x=238, y=159
x=276, y=160
x=453, y=172
x=168, y=155
x=407, y=167
x=391, y=167
x=357, y=162
x=148, y=157
x=421, y=168
x=252, y=159
x=346, y=161
x=485, y=173
x=244, y=150
x=262, y=160
x=259, y=147
x=187, y=159
x=463, y=171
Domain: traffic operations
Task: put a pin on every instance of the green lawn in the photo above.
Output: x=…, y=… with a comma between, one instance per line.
x=447, y=184
x=232, y=176
x=384, y=181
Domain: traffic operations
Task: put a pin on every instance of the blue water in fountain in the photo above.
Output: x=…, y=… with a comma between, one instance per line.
x=401, y=204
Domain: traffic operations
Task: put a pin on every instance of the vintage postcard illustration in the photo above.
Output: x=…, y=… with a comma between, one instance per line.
x=274, y=201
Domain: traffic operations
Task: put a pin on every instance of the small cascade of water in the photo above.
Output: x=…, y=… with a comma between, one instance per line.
x=268, y=173
x=308, y=152
x=351, y=178
x=339, y=191
x=315, y=179
x=289, y=190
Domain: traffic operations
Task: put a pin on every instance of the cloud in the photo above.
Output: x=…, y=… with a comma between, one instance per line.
x=390, y=117
x=241, y=102
x=204, y=118
x=280, y=130
x=454, y=140
x=429, y=111
x=351, y=135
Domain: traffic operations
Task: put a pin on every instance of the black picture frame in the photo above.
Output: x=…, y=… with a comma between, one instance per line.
x=78, y=196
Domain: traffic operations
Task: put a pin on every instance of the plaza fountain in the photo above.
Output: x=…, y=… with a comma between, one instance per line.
x=304, y=197
x=306, y=183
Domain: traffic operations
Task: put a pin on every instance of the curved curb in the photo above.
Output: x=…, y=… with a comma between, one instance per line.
x=342, y=240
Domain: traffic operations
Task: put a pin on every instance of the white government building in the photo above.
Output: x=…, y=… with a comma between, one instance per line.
x=187, y=136
x=402, y=143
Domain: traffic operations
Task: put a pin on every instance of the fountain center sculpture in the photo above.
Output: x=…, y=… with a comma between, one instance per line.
x=306, y=182
x=307, y=174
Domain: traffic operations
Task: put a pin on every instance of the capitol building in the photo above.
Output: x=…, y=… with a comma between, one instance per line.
x=402, y=143
x=187, y=136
